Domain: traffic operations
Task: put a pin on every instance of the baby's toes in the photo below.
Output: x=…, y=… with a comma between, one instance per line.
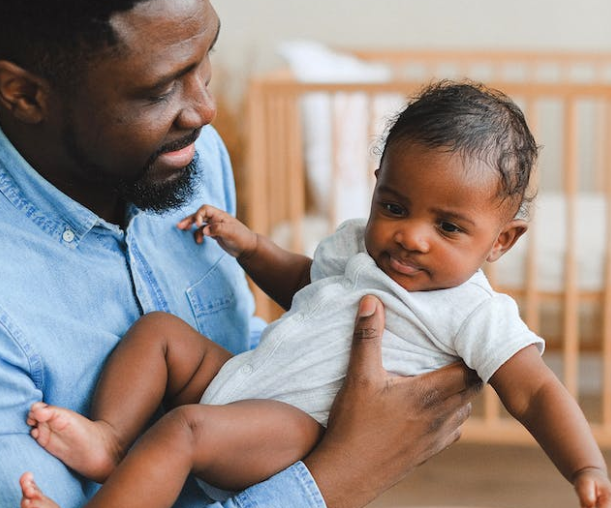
x=42, y=434
x=29, y=489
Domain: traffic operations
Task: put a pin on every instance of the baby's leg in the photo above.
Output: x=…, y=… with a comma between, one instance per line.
x=161, y=359
x=253, y=440
x=230, y=446
x=32, y=497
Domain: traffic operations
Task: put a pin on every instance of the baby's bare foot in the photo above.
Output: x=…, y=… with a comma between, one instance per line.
x=32, y=497
x=88, y=447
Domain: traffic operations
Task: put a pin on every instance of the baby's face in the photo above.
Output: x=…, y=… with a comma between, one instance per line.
x=433, y=220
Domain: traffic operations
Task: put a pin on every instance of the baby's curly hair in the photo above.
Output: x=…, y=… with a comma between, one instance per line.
x=476, y=121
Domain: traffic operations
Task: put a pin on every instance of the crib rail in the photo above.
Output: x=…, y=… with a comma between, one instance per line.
x=494, y=65
x=567, y=100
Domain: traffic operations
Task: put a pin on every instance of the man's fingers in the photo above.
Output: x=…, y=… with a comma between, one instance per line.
x=366, y=352
x=450, y=380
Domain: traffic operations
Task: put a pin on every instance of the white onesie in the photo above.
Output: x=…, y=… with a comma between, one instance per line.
x=303, y=356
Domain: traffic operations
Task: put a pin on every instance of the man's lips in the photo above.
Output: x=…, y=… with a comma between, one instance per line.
x=178, y=158
x=178, y=154
x=404, y=267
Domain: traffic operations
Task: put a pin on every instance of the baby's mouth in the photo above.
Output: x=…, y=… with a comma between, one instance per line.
x=405, y=267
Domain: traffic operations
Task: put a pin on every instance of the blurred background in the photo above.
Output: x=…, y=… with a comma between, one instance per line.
x=252, y=29
x=475, y=472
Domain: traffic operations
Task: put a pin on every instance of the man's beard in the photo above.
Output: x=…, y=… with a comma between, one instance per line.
x=146, y=194
x=160, y=197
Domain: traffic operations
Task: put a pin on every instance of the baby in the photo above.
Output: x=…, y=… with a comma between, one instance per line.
x=451, y=193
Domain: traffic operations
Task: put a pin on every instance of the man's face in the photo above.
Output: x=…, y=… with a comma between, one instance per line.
x=132, y=123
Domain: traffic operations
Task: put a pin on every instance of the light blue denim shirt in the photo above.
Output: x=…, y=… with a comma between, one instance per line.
x=71, y=284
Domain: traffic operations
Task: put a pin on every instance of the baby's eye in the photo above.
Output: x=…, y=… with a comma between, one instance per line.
x=394, y=209
x=448, y=227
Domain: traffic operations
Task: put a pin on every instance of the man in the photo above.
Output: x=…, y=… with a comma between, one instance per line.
x=104, y=111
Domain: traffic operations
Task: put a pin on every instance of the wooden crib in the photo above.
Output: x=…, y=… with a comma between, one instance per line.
x=567, y=101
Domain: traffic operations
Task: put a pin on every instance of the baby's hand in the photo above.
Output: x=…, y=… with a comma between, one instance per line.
x=233, y=236
x=593, y=488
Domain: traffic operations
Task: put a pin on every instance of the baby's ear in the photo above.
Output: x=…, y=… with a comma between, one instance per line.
x=507, y=238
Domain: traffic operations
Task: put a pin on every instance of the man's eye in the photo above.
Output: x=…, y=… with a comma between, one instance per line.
x=448, y=227
x=394, y=209
x=162, y=95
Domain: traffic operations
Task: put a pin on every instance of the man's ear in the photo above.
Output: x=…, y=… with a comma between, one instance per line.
x=507, y=238
x=22, y=93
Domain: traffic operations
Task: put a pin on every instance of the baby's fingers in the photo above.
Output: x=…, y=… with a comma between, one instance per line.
x=187, y=222
x=593, y=492
x=603, y=494
x=586, y=491
x=201, y=232
x=203, y=215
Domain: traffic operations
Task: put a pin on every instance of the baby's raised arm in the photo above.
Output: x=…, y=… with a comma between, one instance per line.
x=276, y=271
x=533, y=395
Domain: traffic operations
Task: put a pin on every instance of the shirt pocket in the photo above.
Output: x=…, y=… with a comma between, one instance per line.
x=216, y=306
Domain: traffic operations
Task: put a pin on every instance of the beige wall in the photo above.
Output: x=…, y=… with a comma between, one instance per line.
x=253, y=28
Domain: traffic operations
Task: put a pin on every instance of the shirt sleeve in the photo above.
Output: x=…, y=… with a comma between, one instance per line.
x=20, y=453
x=20, y=380
x=292, y=487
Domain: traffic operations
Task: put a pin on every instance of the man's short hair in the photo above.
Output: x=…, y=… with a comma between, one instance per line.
x=57, y=38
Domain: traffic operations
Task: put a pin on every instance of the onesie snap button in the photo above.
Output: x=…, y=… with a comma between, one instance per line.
x=246, y=369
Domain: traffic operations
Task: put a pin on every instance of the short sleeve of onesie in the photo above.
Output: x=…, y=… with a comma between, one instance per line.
x=492, y=334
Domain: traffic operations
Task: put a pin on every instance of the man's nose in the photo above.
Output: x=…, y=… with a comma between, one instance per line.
x=200, y=107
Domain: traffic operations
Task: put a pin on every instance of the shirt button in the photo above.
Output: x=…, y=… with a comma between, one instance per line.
x=68, y=235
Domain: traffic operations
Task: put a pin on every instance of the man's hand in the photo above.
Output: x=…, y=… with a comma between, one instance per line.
x=382, y=425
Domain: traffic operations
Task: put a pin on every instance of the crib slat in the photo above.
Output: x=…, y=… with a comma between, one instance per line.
x=492, y=406
x=371, y=133
x=533, y=301
x=606, y=329
x=295, y=173
x=271, y=114
x=606, y=335
x=571, y=298
x=601, y=166
x=337, y=127
x=255, y=213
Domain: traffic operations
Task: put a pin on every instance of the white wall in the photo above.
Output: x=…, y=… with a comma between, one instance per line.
x=251, y=29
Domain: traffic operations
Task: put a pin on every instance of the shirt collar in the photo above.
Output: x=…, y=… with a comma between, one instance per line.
x=50, y=209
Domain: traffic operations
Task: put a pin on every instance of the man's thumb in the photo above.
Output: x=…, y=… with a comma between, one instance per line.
x=366, y=353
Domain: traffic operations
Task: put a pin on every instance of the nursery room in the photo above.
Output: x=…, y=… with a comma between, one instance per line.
x=304, y=110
